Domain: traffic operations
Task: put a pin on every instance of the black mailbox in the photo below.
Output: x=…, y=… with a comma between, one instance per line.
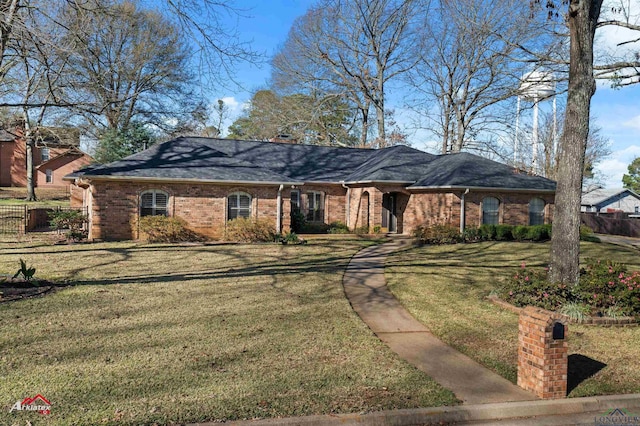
x=558, y=331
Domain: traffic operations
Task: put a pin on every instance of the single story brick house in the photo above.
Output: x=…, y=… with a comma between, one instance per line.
x=208, y=182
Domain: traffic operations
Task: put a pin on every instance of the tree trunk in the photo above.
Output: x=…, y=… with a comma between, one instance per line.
x=30, y=148
x=565, y=242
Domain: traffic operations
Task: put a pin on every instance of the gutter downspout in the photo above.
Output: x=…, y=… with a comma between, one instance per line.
x=279, y=210
x=348, y=211
x=462, y=211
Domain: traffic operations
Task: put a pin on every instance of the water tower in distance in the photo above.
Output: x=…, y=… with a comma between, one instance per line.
x=536, y=86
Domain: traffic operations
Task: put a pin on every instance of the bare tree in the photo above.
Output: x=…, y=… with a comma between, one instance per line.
x=34, y=78
x=470, y=62
x=128, y=64
x=352, y=49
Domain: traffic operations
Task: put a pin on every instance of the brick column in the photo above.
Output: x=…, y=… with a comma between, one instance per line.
x=542, y=360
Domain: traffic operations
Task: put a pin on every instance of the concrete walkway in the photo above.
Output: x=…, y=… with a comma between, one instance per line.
x=366, y=289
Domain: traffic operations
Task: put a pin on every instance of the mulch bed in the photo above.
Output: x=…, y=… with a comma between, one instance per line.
x=13, y=289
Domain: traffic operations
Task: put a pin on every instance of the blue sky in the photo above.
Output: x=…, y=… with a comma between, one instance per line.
x=267, y=24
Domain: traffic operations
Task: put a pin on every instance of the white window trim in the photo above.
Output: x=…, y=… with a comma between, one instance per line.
x=542, y=212
x=238, y=209
x=48, y=173
x=497, y=211
x=154, y=202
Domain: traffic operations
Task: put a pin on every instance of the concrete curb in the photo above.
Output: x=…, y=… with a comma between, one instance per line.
x=599, y=405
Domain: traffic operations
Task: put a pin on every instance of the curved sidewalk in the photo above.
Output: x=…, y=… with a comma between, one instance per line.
x=366, y=289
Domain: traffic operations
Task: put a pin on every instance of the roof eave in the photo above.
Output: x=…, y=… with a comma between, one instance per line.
x=486, y=188
x=386, y=182
x=176, y=180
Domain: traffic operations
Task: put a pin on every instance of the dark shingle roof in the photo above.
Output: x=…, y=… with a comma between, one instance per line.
x=395, y=164
x=185, y=159
x=309, y=163
x=226, y=160
x=468, y=170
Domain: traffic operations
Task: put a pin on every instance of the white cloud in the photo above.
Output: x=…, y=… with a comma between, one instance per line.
x=633, y=123
x=615, y=166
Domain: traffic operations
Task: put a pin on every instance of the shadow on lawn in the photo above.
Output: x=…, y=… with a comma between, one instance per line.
x=581, y=368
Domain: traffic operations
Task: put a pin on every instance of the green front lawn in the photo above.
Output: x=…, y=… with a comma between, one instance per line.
x=445, y=287
x=159, y=333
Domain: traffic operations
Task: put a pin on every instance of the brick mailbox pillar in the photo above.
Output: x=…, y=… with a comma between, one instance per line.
x=542, y=353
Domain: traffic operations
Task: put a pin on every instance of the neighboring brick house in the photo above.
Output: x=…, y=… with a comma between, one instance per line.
x=209, y=181
x=57, y=154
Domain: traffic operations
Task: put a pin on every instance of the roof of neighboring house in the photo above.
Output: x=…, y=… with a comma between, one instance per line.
x=601, y=195
x=228, y=160
x=73, y=151
x=464, y=170
x=58, y=136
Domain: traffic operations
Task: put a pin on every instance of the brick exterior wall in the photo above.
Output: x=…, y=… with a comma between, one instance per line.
x=114, y=206
x=542, y=361
x=513, y=209
x=432, y=208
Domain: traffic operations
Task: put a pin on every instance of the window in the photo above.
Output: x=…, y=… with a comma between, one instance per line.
x=636, y=209
x=536, y=211
x=154, y=203
x=238, y=205
x=295, y=199
x=44, y=154
x=49, y=176
x=490, y=207
x=315, y=212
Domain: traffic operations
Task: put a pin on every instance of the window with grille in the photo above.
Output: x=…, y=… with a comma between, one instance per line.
x=44, y=154
x=238, y=205
x=315, y=206
x=536, y=211
x=49, y=176
x=490, y=207
x=154, y=203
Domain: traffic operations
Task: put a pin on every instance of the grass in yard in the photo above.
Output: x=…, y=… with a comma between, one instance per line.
x=159, y=333
x=47, y=197
x=445, y=287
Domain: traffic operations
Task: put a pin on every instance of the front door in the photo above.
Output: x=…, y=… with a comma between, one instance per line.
x=389, y=214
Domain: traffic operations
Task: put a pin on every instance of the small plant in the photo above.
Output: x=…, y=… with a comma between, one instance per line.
x=471, y=235
x=377, y=229
x=26, y=272
x=576, y=311
x=586, y=234
x=289, y=238
x=73, y=220
x=338, y=228
x=362, y=230
x=298, y=220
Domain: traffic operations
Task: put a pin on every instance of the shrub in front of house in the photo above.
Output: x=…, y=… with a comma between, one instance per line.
x=520, y=232
x=504, y=233
x=487, y=232
x=247, y=230
x=73, y=221
x=604, y=287
x=437, y=234
x=338, y=227
x=163, y=229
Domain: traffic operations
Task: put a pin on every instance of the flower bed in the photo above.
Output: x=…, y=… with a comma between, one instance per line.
x=605, y=289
